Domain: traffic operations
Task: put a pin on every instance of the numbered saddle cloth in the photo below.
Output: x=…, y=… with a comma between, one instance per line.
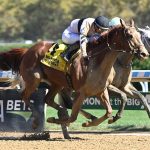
x=53, y=59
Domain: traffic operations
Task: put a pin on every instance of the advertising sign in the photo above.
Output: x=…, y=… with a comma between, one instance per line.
x=132, y=104
x=14, y=115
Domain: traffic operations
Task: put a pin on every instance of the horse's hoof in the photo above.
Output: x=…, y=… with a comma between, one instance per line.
x=110, y=121
x=35, y=124
x=50, y=120
x=93, y=118
x=86, y=124
x=67, y=137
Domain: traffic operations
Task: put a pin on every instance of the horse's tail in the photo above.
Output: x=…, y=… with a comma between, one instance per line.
x=19, y=55
x=14, y=57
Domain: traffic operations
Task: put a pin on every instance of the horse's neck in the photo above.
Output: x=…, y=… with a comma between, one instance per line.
x=122, y=70
x=124, y=60
x=105, y=63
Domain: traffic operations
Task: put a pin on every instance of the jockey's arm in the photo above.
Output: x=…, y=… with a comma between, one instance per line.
x=83, y=37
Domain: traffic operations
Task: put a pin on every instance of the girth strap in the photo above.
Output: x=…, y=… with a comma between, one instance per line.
x=69, y=80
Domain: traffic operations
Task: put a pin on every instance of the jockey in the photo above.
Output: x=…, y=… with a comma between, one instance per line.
x=81, y=30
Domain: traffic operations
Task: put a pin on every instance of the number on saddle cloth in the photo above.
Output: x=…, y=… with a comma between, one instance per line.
x=53, y=57
x=56, y=46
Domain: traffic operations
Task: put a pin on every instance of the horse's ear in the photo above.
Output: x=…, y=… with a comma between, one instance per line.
x=123, y=24
x=132, y=23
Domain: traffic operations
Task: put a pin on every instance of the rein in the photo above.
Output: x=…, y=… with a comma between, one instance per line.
x=133, y=49
x=108, y=47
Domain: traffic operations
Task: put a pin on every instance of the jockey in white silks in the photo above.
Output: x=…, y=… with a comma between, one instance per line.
x=82, y=29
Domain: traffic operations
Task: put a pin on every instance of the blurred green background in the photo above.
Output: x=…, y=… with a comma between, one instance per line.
x=23, y=21
x=46, y=19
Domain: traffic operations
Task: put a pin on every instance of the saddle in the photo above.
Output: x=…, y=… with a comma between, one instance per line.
x=55, y=57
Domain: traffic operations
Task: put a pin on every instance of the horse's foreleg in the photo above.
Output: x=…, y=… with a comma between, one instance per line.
x=67, y=100
x=134, y=93
x=75, y=110
x=122, y=106
x=104, y=97
x=87, y=115
x=49, y=99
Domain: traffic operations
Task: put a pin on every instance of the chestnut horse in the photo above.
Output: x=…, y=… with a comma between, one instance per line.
x=121, y=72
x=102, y=55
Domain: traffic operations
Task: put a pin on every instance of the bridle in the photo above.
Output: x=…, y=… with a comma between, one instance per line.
x=133, y=49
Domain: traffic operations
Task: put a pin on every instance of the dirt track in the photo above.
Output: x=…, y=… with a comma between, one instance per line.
x=80, y=141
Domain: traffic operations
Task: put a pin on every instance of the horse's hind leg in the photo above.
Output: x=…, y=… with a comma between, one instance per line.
x=66, y=100
x=134, y=93
x=49, y=99
x=30, y=87
x=62, y=101
x=123, y=103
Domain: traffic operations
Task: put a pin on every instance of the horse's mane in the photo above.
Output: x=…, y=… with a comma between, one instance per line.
x=13, y=58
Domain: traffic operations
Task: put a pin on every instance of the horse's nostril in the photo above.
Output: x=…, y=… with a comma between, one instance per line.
x=144, y=54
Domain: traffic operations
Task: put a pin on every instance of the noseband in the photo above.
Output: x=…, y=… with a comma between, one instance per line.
x=133, y=49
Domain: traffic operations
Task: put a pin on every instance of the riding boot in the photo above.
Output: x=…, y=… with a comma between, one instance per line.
x=70, y=51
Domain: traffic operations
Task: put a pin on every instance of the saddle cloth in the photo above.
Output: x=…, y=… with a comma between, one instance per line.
x=53, y=59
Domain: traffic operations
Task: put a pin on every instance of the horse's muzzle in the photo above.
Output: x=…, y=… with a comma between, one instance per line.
x=142, y=55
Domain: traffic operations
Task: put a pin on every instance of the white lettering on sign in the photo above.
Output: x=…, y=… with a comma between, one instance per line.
x=91, y=101
x=133, y=102
x=1, y=111
x=16, y=105
x=116, y=101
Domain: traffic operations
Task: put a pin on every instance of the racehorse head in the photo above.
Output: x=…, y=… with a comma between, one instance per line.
x=145, y=35
x=123, y=38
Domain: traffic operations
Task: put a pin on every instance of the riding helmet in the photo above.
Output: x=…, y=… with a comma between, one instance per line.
x=102, y=22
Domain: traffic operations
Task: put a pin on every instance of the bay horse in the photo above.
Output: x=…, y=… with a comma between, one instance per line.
x=103, y=55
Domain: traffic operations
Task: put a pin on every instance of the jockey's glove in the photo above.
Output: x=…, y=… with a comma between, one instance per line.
x=94, y=38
